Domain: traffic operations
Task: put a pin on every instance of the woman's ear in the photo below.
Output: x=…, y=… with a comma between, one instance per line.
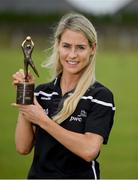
x=93, y=48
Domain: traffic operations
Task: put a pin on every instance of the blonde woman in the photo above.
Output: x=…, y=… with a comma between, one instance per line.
x=72, y=116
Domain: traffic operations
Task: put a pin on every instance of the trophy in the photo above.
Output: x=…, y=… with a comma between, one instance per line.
x=25, y=90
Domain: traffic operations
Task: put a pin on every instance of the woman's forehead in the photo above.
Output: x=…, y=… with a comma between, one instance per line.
x=73, y=36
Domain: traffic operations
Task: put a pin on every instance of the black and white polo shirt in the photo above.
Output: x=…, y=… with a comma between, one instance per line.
x=94, y=113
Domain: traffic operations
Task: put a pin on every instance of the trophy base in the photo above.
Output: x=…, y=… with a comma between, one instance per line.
x=25, y=93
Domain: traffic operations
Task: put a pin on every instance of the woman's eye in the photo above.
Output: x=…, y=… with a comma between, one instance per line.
x=66, y=46
x=81, y=47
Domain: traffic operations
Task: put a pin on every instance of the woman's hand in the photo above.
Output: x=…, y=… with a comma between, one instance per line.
x=33, y=113
x=19, y=76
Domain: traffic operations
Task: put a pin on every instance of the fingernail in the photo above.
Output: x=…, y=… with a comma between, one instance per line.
x=13, y=104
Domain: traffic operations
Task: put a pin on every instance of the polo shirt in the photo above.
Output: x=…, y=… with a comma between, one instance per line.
x=94, y=113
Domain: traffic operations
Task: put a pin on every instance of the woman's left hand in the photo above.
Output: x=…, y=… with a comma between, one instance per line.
x=33, y=113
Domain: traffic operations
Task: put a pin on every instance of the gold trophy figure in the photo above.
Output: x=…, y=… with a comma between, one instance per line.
x=25, y=90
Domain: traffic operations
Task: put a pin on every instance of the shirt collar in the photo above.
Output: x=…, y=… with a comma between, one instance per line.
x=55, y=86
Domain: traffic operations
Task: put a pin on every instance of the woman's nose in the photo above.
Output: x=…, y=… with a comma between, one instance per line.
x=73, y=53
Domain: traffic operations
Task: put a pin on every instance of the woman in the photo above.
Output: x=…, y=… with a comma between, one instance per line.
x=71, y=116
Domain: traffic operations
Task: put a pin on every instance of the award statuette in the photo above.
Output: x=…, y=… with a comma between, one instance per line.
x=25, y=90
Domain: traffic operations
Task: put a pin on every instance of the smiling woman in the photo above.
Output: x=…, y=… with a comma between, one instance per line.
x=74, y=52
x=72, y=116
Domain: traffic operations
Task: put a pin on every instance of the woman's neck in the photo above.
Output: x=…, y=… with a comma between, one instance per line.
x=68, y=82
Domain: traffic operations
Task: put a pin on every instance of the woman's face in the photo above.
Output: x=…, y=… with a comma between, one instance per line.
x=74, y=51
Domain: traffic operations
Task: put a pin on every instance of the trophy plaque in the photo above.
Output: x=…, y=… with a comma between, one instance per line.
x=25, y=89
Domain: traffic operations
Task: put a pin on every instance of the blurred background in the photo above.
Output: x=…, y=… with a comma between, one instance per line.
x=116, y=23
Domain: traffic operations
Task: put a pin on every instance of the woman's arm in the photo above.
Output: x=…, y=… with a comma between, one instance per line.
x=24, y=135
x=87, y=145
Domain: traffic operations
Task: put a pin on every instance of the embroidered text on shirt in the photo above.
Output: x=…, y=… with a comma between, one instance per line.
x=79, y=119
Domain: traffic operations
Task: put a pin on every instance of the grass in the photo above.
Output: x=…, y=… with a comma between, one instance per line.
x=118, y=71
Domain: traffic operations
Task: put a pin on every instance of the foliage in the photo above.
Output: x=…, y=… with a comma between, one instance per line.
x=120, y=18
x=13, y=17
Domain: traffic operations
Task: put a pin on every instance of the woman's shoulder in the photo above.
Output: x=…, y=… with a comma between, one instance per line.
x=44, y=86
x=100, y=91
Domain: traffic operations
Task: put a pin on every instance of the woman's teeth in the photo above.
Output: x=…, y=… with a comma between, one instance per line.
x=72, y=62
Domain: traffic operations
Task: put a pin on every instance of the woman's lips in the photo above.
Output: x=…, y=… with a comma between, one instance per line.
x=72, y=62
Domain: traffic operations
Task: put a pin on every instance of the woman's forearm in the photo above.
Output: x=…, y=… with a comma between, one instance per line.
x=87, y=145
x=24, y=135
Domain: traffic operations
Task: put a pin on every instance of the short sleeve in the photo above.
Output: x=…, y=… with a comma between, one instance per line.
x=100, y=117
x=38, y=90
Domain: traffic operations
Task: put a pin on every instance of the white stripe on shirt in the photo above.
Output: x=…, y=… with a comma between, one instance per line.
x=94, y=170
x=45, y=94
x=99, y=102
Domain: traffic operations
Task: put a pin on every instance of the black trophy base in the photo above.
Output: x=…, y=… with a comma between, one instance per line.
x=25, y=93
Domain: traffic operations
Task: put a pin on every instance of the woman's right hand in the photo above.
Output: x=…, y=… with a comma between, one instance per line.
x=19, y=76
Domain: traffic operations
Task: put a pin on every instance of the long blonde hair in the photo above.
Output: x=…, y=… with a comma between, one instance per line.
x=80, y=23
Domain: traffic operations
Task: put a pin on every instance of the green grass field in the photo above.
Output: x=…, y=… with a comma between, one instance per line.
x=119, y=72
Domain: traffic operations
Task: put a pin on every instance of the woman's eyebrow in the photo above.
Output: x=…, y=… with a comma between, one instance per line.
x=66, y=43
x=81, y=44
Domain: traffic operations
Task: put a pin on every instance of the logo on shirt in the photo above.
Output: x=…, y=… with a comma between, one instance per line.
x=83, y=113
x=79, y=117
